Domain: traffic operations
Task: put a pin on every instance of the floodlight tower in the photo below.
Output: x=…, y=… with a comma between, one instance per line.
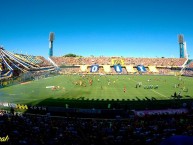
x=51, y=40
x=181, y=44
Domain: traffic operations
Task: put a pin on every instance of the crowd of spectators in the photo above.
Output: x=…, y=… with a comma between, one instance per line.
x=159, y=63
x=191, y=65
x=127, y=61
x=163, y=65
x=188, y=72
x=70, y=70
x=70, y=61
x=156, y=61
x=164, y=71
x=25, y=129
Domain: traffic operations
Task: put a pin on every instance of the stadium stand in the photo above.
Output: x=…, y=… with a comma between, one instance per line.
x=83, y=128
x=114, y=126
x=188, y=71
x=29, y=58
x=21, y=67
x=124, y=71
x=191, y=64
x=37, y=60
x=153, y=65
x=22, y=128
x=128, y=61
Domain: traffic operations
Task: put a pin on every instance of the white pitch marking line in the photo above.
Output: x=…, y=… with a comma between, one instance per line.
x=160, y=94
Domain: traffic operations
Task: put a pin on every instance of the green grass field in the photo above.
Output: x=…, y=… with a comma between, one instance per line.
x=106, y=87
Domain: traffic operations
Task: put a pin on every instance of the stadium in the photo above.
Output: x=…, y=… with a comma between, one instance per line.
x=96, y=82
x=96, y=87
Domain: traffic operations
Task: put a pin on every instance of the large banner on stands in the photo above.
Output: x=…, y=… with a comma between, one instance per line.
x=141, y=68
x=94, y=68
x=4, y=104
x=117, y=61
x=143, y=113
x=118, y=68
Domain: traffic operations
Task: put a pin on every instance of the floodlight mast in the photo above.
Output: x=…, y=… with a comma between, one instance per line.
x=51, y=40
x=181, y=44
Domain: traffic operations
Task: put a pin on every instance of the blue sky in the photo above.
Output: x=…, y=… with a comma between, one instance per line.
x=128, y=28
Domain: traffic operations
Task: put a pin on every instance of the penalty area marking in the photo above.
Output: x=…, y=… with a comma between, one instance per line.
x=160, y=94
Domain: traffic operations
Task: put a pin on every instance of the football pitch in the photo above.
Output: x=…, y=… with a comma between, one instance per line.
x=53, y=91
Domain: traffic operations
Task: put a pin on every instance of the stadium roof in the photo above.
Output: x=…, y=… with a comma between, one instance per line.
x=10, y=61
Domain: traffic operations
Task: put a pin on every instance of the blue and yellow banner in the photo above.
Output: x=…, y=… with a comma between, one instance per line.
x=118, y=68
x=94, y=68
